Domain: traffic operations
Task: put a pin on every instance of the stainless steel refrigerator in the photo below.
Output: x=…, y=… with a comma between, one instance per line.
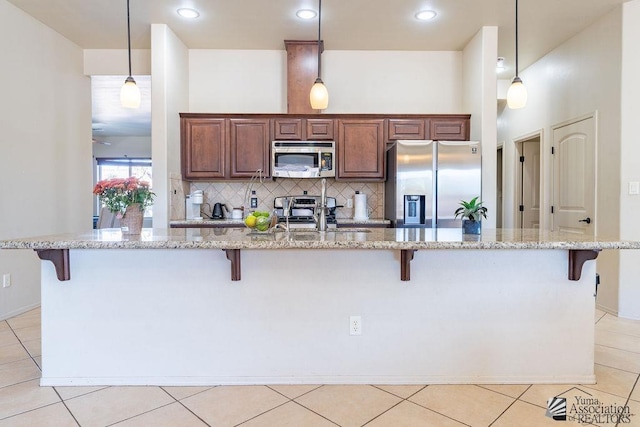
x=427, y=179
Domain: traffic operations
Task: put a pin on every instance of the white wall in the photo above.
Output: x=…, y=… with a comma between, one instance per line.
x=630, y=153
x=123, y=146
x=480, y=88
x=578, y=77
x=170, y=96
x=45, y=146
x=249, y=81
x=115, y=62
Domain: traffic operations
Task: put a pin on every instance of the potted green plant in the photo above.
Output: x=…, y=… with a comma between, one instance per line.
x=471, y=213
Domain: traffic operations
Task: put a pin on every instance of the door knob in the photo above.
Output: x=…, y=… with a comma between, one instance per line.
x=587, y=220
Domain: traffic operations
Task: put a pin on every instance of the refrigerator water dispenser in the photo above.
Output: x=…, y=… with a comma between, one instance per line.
x=414, y=209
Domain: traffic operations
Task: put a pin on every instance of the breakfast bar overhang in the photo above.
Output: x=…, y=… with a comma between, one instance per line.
x=162, y=308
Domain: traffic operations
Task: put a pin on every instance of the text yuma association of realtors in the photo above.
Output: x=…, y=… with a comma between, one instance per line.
x=591, y=410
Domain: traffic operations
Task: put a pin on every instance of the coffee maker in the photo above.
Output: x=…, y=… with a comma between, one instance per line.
x=193, y=203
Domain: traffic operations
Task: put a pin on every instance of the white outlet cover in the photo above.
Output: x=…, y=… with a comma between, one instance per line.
x=634, y=187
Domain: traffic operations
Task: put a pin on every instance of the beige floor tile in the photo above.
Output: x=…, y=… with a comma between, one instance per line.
x=4, y=326
x=29, y=333
x=34, y=347
x=289, y=415
x=351, y=405
x=617, y=340
x=408, y=414
x=635, y=395
x=469, y=404
x=23, y=397
x=38, y=360
x=231, y=405
x=7, y=337
x=113, y=404
x=16, y=372
x=511, y=390
x=67, y=393
x=55, y=415
x=523, y=414
x=12, y=353
x=403, y=391
x=613, y=381
x=621, y=326
x=293, y=391
x=620, y=359
x=634, y=408
x=26, y=320
x=167, y=416
x=599, y=314
x=180, y=393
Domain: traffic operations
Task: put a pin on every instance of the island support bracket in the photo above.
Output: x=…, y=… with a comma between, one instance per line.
x=577, y=258
x=406, y=256
x=60, y=260
x=233, y=255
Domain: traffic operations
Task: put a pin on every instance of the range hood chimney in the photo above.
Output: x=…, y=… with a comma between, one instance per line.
x=302, y=69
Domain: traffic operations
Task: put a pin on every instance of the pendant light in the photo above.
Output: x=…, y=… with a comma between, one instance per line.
x=517, y=93
x=130, y=93
x=319, y=95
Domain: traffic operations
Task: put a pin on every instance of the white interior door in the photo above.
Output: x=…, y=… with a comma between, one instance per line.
x=574, y=207
x=530, y=180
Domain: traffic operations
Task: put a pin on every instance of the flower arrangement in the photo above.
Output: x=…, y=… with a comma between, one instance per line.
x=119, y=193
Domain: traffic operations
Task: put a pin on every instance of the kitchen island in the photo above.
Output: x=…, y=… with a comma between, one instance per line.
x=162, y=308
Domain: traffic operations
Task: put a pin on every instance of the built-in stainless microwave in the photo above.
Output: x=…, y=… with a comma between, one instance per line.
x=303, y=159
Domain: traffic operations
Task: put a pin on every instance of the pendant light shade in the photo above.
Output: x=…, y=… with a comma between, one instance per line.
x=517, y=93
x=130, y=93
x=319, y=95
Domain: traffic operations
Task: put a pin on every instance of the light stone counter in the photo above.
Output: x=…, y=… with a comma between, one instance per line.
x=205, y=223
x=371, y=238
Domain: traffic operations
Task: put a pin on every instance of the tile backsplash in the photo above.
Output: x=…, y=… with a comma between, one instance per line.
x=232, y=193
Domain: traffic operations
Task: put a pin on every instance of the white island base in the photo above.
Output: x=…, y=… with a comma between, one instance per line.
x=174, y=317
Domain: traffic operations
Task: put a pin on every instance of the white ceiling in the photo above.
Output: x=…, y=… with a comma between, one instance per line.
x=346, y=24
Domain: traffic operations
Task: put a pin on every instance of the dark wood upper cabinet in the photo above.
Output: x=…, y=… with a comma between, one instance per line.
x=406, y=129
x=203, y=148
x=361, y=149
x=288, y=129
x=320, y=129
x=249, y=147
x=444, y=129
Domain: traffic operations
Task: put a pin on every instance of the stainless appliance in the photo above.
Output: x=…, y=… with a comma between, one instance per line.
x=303, y=209
x=303, y=159
x=427, y=179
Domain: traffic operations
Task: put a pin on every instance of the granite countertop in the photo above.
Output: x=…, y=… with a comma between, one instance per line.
x=240, y=223
x=370, y=238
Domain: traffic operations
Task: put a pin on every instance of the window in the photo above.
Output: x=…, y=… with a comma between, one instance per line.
x=123, y=168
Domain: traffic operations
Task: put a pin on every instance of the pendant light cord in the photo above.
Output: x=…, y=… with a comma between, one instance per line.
x=129, y=36
x=516, y=38
x=319, y=24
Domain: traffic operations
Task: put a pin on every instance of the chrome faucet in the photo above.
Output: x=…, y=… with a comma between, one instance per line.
x=321, y=221
x=289, y=201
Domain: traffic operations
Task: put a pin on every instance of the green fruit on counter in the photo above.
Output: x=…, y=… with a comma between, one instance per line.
x=261, y=214
x=263, y=223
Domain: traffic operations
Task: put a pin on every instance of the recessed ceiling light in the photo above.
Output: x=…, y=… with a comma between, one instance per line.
x=306, y=14
x=425, y=15
x=500, y=64
x=188, y=13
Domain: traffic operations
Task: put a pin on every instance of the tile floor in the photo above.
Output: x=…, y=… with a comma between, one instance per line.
x=24, y=403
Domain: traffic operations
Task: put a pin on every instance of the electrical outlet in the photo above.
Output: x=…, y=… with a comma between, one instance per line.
x=350, y=203
x=355, y=325
x=6, y=280
x=634, y=187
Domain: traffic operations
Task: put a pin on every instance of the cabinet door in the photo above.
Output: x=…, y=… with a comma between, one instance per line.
x=406, y=129
x=288, y=129
x=361, y=149
x=320, y=129
x=203, y=146
x=249, y=147
x=450, y=129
